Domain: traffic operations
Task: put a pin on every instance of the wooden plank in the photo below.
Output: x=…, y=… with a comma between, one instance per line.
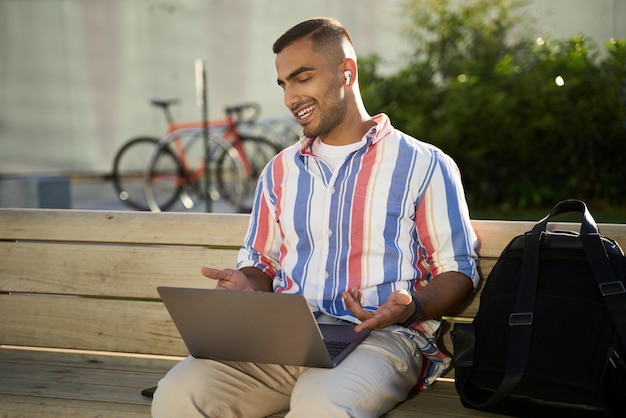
x=616, y=232
x=112, y=392
x=64, y=373
x=112, y=270
x=42, y=407
x=206, y=229
x=130, y=326
x=493, y=236
x=166, y=228
x=39, y=384
x=69, y=383
x=88, y=359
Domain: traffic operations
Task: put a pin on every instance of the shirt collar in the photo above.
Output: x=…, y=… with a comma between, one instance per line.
x=382, y=128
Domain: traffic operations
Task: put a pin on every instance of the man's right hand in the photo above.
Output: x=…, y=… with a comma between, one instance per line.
x=249, y=279
x=227, y=279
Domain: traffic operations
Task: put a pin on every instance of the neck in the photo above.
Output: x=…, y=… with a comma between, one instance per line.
x=354, y=127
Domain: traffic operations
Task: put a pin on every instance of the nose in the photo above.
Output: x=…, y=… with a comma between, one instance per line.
x=290, y=97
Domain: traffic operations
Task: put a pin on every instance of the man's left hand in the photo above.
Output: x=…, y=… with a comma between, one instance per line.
x=394, y=310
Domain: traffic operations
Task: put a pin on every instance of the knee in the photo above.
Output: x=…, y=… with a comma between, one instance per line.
x=169, y=388
x=169, y=397
x=181, y=393
x=312, y=398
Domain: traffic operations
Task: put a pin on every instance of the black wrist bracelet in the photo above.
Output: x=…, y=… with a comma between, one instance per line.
x=416, y=316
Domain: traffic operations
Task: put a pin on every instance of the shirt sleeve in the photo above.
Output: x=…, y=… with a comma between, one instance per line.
x=261, y=244
x=443, y=223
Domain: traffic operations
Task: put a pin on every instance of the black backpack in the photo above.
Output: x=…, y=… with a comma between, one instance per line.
x=550, y=330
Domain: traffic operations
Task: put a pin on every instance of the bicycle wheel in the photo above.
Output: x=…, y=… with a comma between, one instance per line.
x=189, y=176
x=128, y=171
x=232, y=181
x=258, y=152
x=281, y=132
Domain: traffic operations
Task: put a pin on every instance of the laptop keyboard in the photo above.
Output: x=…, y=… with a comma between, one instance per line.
x=335, y=347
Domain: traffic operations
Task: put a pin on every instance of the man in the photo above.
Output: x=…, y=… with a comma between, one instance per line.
x=369, y=224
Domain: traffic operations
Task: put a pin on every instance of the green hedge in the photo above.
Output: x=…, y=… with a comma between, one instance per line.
x=529, y=121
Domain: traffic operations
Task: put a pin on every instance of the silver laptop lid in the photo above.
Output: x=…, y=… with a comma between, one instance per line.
x=259, y=327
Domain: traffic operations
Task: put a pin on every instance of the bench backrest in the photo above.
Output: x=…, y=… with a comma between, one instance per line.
x=87, y=280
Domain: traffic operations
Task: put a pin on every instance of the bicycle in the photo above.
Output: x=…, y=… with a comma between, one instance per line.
x=235, y=155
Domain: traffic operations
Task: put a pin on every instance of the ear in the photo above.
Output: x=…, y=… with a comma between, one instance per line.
x=349, y=71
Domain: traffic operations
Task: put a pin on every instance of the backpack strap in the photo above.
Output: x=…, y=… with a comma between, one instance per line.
x=611, y=287
x=520, y=326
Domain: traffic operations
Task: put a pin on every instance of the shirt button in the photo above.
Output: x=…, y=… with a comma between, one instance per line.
x=326, y=275
x=332, y=190
x=330, y=233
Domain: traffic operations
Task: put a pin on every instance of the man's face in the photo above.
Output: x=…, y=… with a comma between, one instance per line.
x=313, y=88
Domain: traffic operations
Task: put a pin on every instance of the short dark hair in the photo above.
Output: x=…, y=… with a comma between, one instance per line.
x=321, y=30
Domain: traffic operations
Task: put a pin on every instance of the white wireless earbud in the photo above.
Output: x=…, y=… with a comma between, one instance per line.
x=348, y=76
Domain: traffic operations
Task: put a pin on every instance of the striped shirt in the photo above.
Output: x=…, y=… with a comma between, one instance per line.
x=392, y=216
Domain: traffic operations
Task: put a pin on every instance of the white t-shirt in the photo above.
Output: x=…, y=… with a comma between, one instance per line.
x=334, y=155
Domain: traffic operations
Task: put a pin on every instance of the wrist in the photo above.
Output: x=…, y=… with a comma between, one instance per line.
x=416, y=316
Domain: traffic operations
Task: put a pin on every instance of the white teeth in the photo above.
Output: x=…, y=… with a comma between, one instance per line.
x=305, y=112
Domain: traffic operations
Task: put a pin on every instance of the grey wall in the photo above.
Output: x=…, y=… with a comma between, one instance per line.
x=76, y=75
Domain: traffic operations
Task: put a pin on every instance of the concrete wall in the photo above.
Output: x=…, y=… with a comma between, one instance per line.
x=76, y=75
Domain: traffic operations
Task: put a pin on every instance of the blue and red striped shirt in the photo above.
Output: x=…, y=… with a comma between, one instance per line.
x=392, y=216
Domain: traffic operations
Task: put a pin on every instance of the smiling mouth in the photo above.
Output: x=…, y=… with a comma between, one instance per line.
x=305, y=113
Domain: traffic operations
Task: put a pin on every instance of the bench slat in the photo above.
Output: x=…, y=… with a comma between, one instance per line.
x=111, y=270
x=72, y=385
x=44, y=385
x=206, y=229
x=118, y=271
x=45, y=407
x=129, y=326
x=40, y=384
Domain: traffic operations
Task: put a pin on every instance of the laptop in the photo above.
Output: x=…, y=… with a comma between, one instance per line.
x=260, y=327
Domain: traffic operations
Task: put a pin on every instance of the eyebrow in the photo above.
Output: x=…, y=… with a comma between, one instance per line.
x=295, y=73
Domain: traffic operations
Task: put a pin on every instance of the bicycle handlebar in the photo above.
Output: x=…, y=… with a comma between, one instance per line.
x=235, y=111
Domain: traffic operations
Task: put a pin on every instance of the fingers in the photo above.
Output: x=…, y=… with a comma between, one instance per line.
x=352, y=300
x=400, y=297
x=213, y=273
x=371, y=324
x=389, y=313
x=226, y=278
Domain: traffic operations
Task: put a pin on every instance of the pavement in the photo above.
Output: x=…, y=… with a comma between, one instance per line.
x=99, y=193
x=94, y=192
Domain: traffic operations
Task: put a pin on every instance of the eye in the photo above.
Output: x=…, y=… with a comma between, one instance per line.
x=303, y=78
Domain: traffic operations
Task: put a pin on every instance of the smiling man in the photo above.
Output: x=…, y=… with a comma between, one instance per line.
x=314, y=88
x=368, y=223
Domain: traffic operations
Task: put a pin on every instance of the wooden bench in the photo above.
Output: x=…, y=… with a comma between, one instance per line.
x=83, y=330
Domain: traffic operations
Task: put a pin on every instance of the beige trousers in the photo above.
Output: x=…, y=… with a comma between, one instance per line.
x=369, y=382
